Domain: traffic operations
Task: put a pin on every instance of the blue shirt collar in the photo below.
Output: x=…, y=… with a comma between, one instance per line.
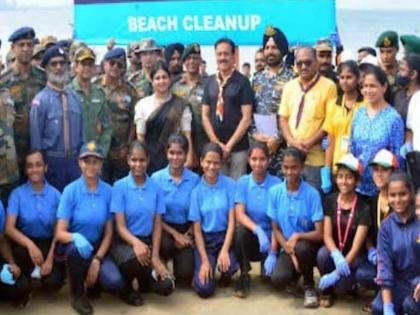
x=85, y=188
x=216, y=185
x=297, y=194
x=184, y=177
x=253, y=183
x=29, y=188
x=132, y=183
x=397, y=219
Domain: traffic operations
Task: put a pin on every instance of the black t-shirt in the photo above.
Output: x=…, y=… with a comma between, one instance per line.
x=362, y=216
x=237, y=92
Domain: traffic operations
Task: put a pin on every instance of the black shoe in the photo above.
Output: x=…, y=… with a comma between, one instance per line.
x=23, y=303
x=242, y=286
x=224, y=281
x=132, y=298
x=82, y=306
x=93, y=293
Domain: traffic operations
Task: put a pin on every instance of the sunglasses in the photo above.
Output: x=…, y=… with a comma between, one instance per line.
x=119, y=64
x=306, y=63
x=60, y=63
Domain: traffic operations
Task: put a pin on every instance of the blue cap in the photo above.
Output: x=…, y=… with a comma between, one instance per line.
x=91, y=149
x=25, y=32
x=115, y=53
x=54, y=51
x=64, y=43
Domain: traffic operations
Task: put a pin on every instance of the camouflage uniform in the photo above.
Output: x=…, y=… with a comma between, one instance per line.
x=96, y=115
x=22, y=92
x=268, y=90
x=121, y=102
x=193, y=95
x=9, y=171
x=141, y=84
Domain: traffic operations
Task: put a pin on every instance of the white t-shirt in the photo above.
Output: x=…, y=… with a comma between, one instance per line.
x=146, y=106
x=413, y=119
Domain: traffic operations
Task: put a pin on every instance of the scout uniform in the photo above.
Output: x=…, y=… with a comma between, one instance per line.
x=96, y=113
x=22, y=90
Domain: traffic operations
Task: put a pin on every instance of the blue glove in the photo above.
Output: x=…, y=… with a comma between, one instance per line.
x=372, y=256
x=340, y=263
x=270, y=263
x=326, y=184
x=405, y=149
x=328, y=280
x=325, y=143
x=262, y=239
x=82, y=244
x=389, y=309
x=6, y=276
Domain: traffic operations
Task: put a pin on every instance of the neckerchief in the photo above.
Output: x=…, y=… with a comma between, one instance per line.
x=220, y=105
x=66, y=129
x=302, y=100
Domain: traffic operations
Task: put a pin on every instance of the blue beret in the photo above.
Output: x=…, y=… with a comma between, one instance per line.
x=64, y=43
x=22, y=33
x=170, y=49
x=54, y=51
x=278, y=37
x=115, y=53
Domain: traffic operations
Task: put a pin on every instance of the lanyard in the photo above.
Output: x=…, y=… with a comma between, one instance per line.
x=342, y=240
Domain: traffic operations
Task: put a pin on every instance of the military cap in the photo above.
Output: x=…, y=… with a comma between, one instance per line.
x=411, y=44
x=22, y=33
x=115, y=53
x=84, y=53
x=64, y=43
x=75, y=46
x=278, y=37
x=171, y=48
x=48, y=41
x=148, y=44
x=193, y=48
x=91, y=149
x=37, y=50
x=133, y=47
x=387, y=39
x=54, y=51
x=324, y=44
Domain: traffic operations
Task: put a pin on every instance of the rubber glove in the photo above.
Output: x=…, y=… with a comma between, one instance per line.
x=6, y=276
x=389, y=309
x=372, y=256
x=325, y=143
x=405, y=149
x=270, y=263
x=36, y=273
x=262, y=239
x=340, y=263
x=328, y=280
x=82, y=244
x=326, y=184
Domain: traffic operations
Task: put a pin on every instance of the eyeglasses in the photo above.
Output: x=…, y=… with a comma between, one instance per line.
x=87, y=63
x=306, y=63
x=119, y=65
x=54, y=64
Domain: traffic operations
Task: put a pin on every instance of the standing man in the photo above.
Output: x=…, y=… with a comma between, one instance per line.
x=324, y=55
x=227, y=109
x=388, y=46
x=133, y=54
x=173, y=57
x=56, y=121
x=96, y=113
x=259, y=62
x=190, y=86
x=268, y=88
x=149, y=54
x=23, y=81
x=302, y=113
x=121, y=97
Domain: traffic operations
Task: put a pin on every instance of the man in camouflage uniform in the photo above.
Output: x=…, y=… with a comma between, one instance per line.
x=149, y=53
x=268, y=88
x=388, y=46
x=9, y=171
x=96, y=113
x=133, y=55
x=190, y=86
x=23, y=81
x=121, y=97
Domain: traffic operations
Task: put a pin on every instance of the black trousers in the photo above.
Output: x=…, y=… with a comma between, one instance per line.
x=246, y=248
x=183, y=259
x=50, y=283
x=285, y=271
x=20, y=291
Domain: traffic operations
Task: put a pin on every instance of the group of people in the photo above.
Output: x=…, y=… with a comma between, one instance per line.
x=107, y=175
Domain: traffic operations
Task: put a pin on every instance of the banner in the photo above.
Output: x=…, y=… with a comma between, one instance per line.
x=202, y=21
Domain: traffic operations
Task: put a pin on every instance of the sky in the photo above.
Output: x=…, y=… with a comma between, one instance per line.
x=341, y=4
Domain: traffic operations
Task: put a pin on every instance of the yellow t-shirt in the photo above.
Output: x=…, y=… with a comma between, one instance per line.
x=338, y=124
x=313, y=114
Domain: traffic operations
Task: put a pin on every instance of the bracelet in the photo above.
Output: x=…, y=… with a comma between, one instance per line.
x=98, y=258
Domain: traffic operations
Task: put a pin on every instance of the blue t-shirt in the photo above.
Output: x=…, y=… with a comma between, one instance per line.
x=2, y=218
x=211, y=204
x=35, y=211
x=177, y=195
x=139, y=204
x=254, y=196
x=86, y=211
x=295, y=212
